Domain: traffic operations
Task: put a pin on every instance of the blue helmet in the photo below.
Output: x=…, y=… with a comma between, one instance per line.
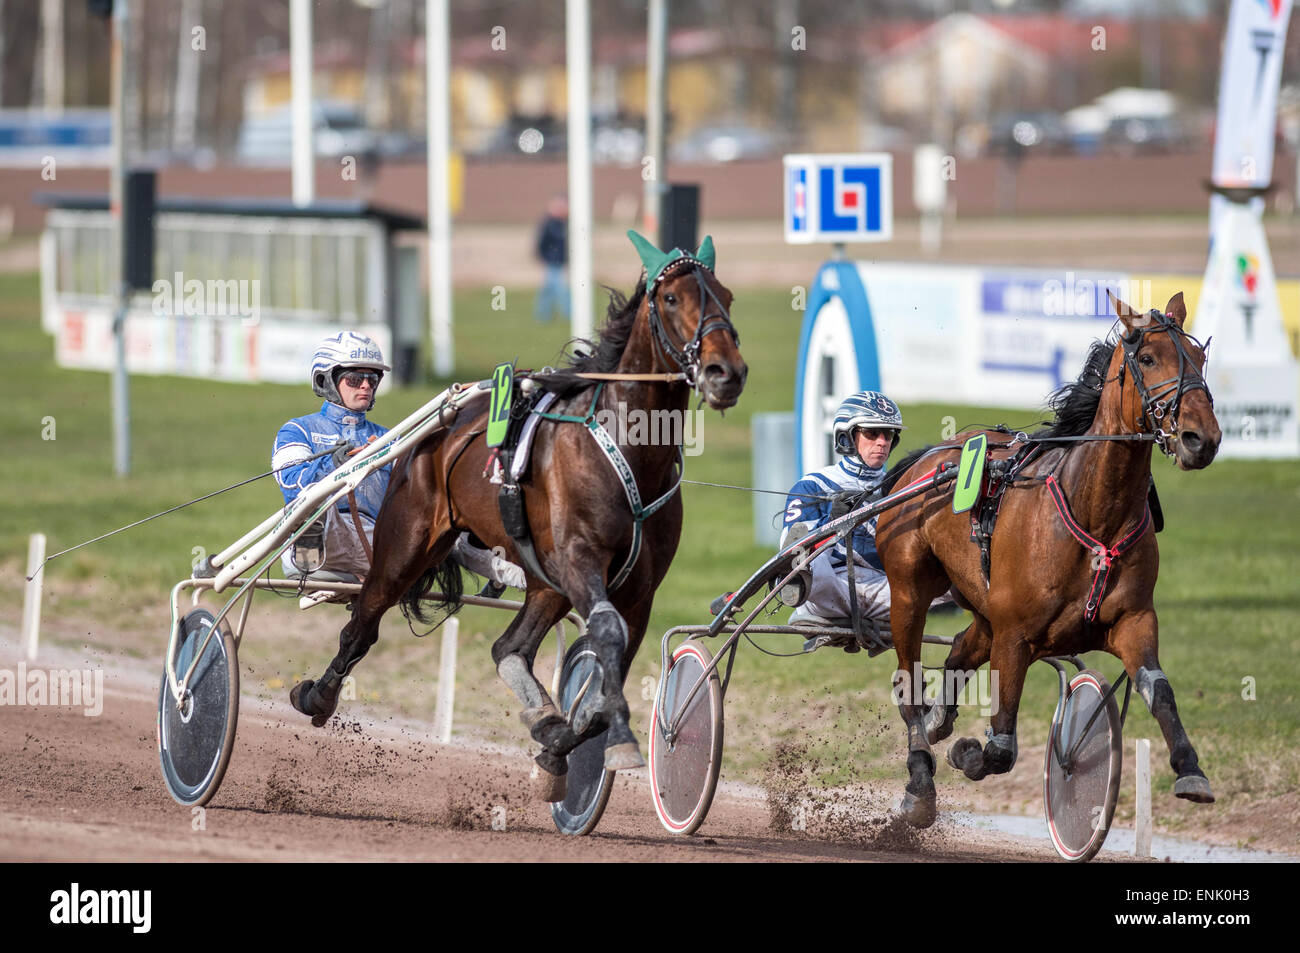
x=867, y=408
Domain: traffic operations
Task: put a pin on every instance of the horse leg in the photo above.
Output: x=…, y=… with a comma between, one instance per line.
x=907, y=623
x=584, y=581
x=1134, y=640
x=1010, y=661
x=969, y=651
x=397, y=565
x=514, y=654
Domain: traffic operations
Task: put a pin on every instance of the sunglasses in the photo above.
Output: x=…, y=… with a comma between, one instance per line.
x=357, y=378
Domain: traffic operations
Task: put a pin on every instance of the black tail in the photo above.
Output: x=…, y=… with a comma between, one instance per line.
x=445, y=579
x=901, y=467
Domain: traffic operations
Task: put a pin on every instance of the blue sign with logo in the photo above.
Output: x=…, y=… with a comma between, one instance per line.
x=839, y=198
x=837, y=357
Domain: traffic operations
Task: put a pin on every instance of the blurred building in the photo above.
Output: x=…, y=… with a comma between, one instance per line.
x=885, y=83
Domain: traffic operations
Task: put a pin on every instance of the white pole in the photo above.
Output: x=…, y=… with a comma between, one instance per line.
x=187, y=79
x=52, y=54
x=437, y=87
x=300, y=81
x=578, y=67
x=32, y=595
x=655, y=85
x=1142, y=818
x=446, y=682
x=121, y=401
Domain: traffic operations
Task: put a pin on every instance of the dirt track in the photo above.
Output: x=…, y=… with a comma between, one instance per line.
x=77, y=788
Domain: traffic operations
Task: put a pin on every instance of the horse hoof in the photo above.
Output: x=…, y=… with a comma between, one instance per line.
x=303, y=700
x=546, y=786
x=938, y=725
x=623, y=757
x=1194, y=788
x=967, y=756
x=532, y=717
x=297, y=695
x=920, y=812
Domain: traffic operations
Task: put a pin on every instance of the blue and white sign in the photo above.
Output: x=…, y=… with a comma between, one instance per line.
x=839, y=198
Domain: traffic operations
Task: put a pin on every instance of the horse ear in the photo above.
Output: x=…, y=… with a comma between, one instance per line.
x=651, y=257
x=705, y=252
x=1176, y=309
x=1122, y=310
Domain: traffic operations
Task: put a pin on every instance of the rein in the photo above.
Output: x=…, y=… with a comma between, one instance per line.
x=667, y=378
x=180, y=506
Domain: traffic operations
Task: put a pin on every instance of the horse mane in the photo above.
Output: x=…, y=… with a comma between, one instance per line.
x=1074, y=405
x=601, y=356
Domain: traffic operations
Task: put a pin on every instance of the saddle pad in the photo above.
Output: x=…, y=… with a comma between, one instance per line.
x=519, y=462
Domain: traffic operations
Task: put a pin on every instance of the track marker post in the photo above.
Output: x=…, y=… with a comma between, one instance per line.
x=32, y=594
x=446, y=681
x=1142, y=812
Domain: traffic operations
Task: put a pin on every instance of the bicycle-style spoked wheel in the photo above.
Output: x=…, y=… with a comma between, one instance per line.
x=195, y=738
x=587, y=783
x=684, y=773
x=1082, y=771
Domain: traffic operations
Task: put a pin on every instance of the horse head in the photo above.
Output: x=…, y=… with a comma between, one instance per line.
x=689, y=314
x=1160, y=370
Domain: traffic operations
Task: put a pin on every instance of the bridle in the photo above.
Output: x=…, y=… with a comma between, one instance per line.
x=1161, y=401
x=687, y=357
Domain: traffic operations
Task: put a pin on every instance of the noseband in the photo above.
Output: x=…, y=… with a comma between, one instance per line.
x=1161, y=402
x=687, y=357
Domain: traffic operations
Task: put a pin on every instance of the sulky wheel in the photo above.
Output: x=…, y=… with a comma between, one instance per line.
x=1080, y=791
x=684, y=772
x=588, y=783
x=196, y=738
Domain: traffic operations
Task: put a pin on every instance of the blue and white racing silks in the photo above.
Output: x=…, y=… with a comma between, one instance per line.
x=304, y=436
x=808, y=503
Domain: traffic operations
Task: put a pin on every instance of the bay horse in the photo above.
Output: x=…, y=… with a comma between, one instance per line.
x=674, y=336
x=1072, y=561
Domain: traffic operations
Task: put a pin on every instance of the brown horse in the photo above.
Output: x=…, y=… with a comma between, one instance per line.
x=679, y=330
x=1073, y=561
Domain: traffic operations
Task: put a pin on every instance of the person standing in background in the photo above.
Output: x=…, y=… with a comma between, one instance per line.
x=553, y=251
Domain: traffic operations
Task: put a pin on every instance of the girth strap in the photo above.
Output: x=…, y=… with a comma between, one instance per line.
x=1108, y=554
x=639, y=513
x=614, y=455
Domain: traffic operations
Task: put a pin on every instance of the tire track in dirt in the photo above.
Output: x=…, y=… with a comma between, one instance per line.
x=374, y=788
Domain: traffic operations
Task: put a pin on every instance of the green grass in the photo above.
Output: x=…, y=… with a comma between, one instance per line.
x=1228, y=594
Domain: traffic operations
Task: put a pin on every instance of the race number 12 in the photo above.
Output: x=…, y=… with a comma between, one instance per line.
x=499, y=409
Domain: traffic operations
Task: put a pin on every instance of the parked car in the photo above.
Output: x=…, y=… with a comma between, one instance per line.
x=617, y=140
x=724, y=143
x=1040, y=133
x=1139, y=134
x=527, y=136
x=338, y=130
